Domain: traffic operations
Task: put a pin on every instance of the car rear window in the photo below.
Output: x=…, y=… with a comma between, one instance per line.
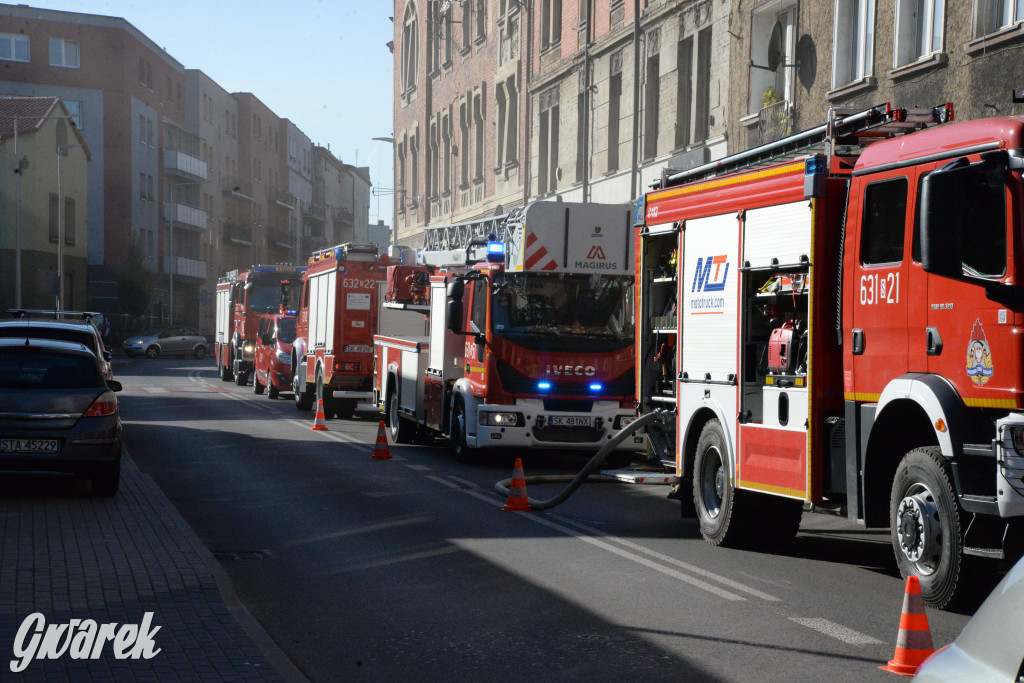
x=36, y=368
x=58, y=333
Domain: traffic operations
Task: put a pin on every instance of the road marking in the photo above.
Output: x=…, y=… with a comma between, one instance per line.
x=736, y=585
x=685, y=578
x=470, y=484
x=407, y=557
x=439, y=480
x=837, y=631
x=419, y=468
x=364, y=529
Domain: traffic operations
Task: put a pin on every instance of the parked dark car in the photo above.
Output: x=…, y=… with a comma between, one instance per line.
x=176, y=340
x=72, y=326
x=58, y=413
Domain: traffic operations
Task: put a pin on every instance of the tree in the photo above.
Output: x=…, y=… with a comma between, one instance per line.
x=134, y=282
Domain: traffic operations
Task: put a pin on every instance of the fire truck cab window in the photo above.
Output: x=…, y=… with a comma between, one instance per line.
x=885, y=217
x=478, y=314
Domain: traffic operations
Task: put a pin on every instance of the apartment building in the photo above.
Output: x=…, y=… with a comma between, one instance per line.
x=43, y=204
x=344, y=191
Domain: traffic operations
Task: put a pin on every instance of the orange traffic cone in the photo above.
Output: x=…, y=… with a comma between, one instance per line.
x=381, y=450
x=914, y=640
x=319, y=423
x=517, y=500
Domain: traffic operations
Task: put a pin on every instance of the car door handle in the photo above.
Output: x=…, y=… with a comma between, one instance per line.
x=934, y=341
x=858, y=342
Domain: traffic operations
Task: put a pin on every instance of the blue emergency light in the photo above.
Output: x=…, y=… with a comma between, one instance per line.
x=495, y=252
x=816, y=165
x=338, y=253
x=596, y=386
x=543, y=386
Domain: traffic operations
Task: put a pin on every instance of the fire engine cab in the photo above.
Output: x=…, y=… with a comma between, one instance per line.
x=835, y=319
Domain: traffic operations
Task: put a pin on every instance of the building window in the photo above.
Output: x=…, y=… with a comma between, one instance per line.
x=993, y=15
x=446, y=150
x=150, y=134
x=614, y=96
x=481, y=19
x=684, y=91
x=652, y=103
x=550, y=23
x=448, y=42
x=64, y=53
x=54, y=219
x=400, y=154
x=467, y=24
x=410, y=39
x=142, y=129
x=414, y=153
x=768, y=88
x=434, y=36
x=919, y=25
x=478, y=142
x=74, y=108
x=464, y=126
x=854, y=41
x=69, y=221
x=13, y=47
x=508, y=120
x=702, y=90
x=547, y=171
x=435, y=171
x=581, y=135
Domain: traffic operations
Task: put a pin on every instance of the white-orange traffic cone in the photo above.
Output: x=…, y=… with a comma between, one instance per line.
x=319, y=423
x=381, y=450
x=517, y=498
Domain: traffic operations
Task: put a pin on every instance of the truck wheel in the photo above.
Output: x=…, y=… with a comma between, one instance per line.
x=457, y=436
x=257, y=388
x=241, y=378
x=720, y=508
x=400, y=430
x=779, y=520
x=927, y=526
x=225, y=372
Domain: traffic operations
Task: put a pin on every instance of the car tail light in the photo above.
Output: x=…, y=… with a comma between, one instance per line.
x=346, y=367
x=105, y=404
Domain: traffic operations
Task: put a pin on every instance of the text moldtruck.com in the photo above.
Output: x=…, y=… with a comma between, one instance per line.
x=81, y=639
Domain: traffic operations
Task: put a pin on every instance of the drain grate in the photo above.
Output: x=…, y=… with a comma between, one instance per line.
x=235, y=555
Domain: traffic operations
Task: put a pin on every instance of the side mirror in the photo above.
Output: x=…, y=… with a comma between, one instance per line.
x=455, y=316
x=114, y=385
x=455, y=289
x=107, y=356
x=940, y=254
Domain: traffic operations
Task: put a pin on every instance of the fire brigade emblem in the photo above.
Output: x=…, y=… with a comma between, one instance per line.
x=979, y=356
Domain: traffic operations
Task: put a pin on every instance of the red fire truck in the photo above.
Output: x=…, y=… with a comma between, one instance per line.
x=333, y=349
x=532, y=347
x=835, y=319
x=242, y=297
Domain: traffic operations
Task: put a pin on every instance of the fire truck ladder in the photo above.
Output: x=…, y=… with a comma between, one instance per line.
x=461, y=235
x=846, y=132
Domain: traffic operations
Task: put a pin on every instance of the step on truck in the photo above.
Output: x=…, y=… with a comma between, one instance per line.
x=242, y=296
x=525, y=333
x=834, y=319
x=337, y=317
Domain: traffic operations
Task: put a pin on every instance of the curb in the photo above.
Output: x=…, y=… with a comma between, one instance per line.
x=259, y=636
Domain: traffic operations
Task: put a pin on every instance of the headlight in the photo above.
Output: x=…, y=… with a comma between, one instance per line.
x=1017, y=435
x=621, y=421
x=499, y=419
x=249, y=347
x=284, y=358
x=139, y=342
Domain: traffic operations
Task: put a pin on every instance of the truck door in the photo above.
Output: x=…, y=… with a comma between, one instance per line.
x=877, y=292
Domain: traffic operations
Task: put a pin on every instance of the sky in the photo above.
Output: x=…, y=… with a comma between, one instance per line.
x=323, y=64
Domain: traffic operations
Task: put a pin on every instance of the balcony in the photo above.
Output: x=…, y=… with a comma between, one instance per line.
x=775, y=121
x=282, y=198
x=187, y=267
x=239, y=234
x=314, y=211
x=279, y=237
x=184, y=216
x=184, y=165
x=237, y=188
x=311, y=243
x=342, y=214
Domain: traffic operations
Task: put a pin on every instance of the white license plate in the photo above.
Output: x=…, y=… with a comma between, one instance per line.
x=29, y=445
x=571, y=421
x=358, y=348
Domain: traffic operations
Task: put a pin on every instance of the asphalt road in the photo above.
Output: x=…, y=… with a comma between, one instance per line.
x=408, y=568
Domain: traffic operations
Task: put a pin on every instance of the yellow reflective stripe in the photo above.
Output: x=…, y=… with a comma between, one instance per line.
x=725, y=182
x=990, y=402
x=773, y=489
x=852, y=396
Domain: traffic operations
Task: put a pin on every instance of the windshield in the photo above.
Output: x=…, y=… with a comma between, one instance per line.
x=573, y=307
x=153, y=332
x=286, y=330
x=265, y=297
x=35, y=368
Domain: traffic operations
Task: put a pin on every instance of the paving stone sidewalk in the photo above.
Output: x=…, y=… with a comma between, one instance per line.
x=70, y=555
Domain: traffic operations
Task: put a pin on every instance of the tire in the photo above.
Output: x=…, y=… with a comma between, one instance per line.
x=225, y=372
x=457, y=436
x=778, y=520
x=272, y=391
x=241, y=378
x=257, y=388
x=106, y=479
x=153, y=351
x=721, y=509
x=199, y=353
x=303, y=397
x=400, y=430
x=927, y=527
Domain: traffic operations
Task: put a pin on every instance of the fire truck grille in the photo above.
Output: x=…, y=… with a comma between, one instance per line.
x=568, y=434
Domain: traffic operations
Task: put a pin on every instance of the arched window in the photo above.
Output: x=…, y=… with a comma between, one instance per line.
x=410, y=48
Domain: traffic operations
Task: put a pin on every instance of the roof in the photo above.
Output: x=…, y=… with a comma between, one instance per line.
x=941, y=140
x=13, y=343
x=32, y=114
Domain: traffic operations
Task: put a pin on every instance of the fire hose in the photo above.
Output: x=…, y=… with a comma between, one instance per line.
x=576, y=481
